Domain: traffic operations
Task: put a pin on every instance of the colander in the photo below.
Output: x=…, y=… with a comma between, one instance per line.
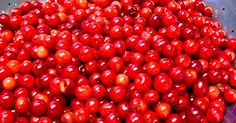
x=224, y=12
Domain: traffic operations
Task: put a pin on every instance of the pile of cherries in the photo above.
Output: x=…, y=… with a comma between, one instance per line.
x=104, y=61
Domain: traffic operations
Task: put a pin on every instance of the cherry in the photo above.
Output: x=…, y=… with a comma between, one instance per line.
x=169, y=50
x=153, y=68
x=162, y=83
x=163, y=110
x=151, y=96
x=98, y=91
x=200, y=88
x=38, y=107
x=122, y=80
x=171, y=97
x=182, y=104
x=83, y=92
x=7, y=116
x=232, y=79
x=116, y=32
x=183, y=60
x=142, y=46
x=166, y=64
x=7, y=35
x=8, y=83
x=138, y=105
x=22, y=105
x=214, y=76
x=117, y=93
x=154, y=20
x=214, y=115
x=190, y=76
x=112, y=118
x=63, y=57
x=70, y=71
x=142, y=82
x=150, y=117
x=152, y=55
x=137, y=58
x=91, y=67
x=193, y=114
x=55, y=109
x=115, y=61
x=92, y=105
x=27, y=80
x=177, y=74
x=116, y=64
x=169, y=19
x=134, y=118
x=81, y=115
x=123, y=109
x=108, y=77
x=4, y=19
x=85, y=53
x=7, y=99
x=229, y=95
x=22, y=119
x=4, y=72
x=201, y=103
x=67, y=117
x=213, y=92
x=173, y=118
x=107, y=108
x=21, y=91
x=173, y=31
x=190, y=46
x=218, y=104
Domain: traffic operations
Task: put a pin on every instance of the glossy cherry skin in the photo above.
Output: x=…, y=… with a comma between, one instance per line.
x=171, y=97
x=104, y=61
x=134, y=118
x=162, y=83
x=108, y=77
x=151, y=96
x=112, y=118
x=138, y=105
x=214, y=115
x=106, y=108
x=63, y=57
x=177, y=74
x=117, y=93
x=174, y=118
x=38, y=107
x=150, y=117
x=229, y=95
x=22, y=105
x=123, y=109
x=163, y=110
x=83, y=92
x=193, y=114
x=81, y=115
x=7, y=116
x=4, y=72
x=142, y=82
x=107, y=50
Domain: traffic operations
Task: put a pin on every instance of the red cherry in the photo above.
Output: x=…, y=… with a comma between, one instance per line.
x=162, y=83
x=163, y=110
x=134, y=118
x=142, y=82
x=7, y=116
x=83, y=92
x=214, y=115
x=230, y=95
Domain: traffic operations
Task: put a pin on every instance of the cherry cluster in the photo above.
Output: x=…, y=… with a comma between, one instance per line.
x=104, y=61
